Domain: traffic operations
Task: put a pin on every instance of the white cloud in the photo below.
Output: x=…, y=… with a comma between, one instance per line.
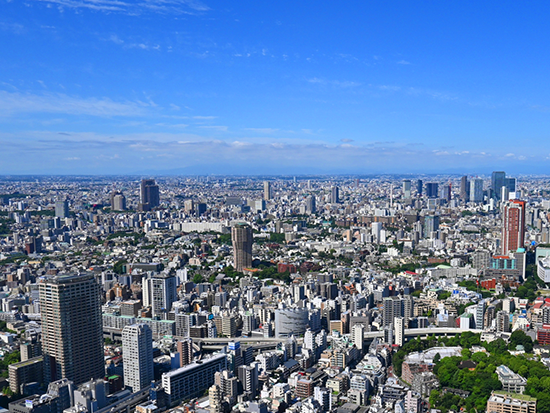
x=337, y=83
x=262, y=130
x=16, y=103
x=132, y=7
x=216, y=128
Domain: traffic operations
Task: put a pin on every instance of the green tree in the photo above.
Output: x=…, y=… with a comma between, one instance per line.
x=118, y=268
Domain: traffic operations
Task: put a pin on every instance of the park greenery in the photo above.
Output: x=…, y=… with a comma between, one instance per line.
x=481, y=380
x=5, y=224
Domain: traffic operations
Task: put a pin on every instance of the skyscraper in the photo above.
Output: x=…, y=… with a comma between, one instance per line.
x=431, y=189
x=160, y=292
x=431, y=224
x=476, y=190
x=118, y=201
x=513, y=226
x=510, y=183
x=310, y=204
x=334, y=195
x=419, y=187
x=137, y=350
x=62, y=209
x=498, y=179
x=393, y=307
x=267, y=190
x=464, y=189
x=149, y=195
x=406, y=188
x=241, y=237
x=445, y=192
x=72, y=329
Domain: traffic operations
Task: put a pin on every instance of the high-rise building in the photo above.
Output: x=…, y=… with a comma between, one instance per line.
x=241, y=237
x=118, y=201
x=419, y=187
x=185, y=349
x=406, y=188
x=248, y=376
x=431, y=189
x=510, y=184
x=503, y=322
x=498, y=179
x=291, y=321
x=62, y=209
x=513, y=226
x=159, y=293
x=149, y=195
x=476, y=190
x=399, y=328
x=72, y=329
x=445, y=192
x=464, y=189
x=431, y=224
x=310, y=205
x=334, y=195
x=393, y=307
x=358, y=336
x=137, y=350
x=267, y=191
x=479, y=315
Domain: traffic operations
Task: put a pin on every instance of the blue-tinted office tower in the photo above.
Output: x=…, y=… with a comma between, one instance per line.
x=419, y=187
x=431, y=189
x=498, y=179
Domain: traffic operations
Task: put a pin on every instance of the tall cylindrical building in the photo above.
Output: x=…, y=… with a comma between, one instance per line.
x=291, y=321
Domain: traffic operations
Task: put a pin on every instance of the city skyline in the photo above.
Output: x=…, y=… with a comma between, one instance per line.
x=190, y=87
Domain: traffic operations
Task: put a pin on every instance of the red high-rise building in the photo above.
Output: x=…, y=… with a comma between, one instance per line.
x=513, y=226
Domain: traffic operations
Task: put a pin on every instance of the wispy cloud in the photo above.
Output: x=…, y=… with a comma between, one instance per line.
x=336, y=83
x=216, y=128
x=262, y=130
x=12, y=103
x=133, y=45
x=12, y=27
x=134, y=7
x=163, y=151
x=403, y=62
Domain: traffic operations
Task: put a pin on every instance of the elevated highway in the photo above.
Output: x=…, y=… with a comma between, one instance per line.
x=369, y=335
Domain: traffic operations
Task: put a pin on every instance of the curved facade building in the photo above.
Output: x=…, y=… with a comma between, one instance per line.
x=291, y=322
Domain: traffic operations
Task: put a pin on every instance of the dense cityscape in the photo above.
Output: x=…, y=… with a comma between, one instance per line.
x=269, y=294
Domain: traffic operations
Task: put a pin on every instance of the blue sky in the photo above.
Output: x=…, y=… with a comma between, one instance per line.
x=198, y=87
